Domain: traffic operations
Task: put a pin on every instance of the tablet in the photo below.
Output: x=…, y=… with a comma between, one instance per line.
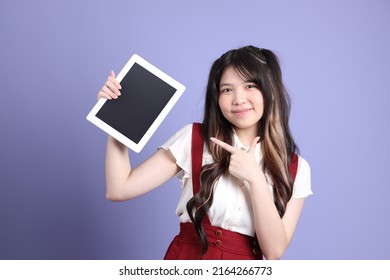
x=147, y=96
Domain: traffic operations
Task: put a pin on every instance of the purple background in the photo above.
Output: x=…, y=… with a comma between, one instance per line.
x=55, y=56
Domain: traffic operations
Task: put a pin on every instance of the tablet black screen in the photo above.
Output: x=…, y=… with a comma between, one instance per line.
x=143, y=97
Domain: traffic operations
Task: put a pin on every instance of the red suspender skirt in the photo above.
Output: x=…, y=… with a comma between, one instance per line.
x=223, y=244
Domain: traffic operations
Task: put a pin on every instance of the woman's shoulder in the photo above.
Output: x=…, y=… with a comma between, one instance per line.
x=181, y=139
x=302, y=184
x=179, y=144
x=303, y=164
x=183, y=132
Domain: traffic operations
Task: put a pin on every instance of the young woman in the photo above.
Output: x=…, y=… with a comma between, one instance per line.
x=243, y=186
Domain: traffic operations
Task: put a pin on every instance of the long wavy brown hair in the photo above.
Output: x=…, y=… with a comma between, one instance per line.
x=260, y=66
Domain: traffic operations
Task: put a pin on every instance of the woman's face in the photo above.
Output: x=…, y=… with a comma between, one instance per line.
x=241, y=102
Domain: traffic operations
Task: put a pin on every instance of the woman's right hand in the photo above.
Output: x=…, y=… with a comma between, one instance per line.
x=111, y=88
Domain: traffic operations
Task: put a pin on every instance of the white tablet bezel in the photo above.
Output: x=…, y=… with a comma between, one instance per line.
x=137, y=147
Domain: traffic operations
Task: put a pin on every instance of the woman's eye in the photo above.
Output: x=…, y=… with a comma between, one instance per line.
x=225, y=90
x=251, y=86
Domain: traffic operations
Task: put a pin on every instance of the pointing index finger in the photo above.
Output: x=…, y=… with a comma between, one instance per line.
x=223, y=145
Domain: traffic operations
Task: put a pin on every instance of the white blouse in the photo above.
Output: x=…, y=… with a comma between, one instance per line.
x=232, y=204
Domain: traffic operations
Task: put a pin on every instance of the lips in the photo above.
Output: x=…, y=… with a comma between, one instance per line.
x=241, y=112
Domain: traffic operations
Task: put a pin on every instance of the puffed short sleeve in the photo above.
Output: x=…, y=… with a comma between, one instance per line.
x=302, y=183
x=180, y=147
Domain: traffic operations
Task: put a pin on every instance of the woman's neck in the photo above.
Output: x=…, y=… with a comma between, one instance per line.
x=246, y=136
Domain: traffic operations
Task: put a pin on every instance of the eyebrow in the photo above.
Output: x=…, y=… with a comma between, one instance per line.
x=244, y=82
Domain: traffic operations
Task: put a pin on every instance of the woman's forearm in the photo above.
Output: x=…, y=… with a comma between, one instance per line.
x=270, y=230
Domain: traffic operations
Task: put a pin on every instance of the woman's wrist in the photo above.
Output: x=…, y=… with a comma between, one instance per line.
x=259, y=182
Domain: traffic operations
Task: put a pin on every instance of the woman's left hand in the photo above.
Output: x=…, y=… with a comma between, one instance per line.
x=243, y=164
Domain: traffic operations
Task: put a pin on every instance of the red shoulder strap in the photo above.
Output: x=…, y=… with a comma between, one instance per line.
x=196, y=159
x=293, y=166
x=196, y=156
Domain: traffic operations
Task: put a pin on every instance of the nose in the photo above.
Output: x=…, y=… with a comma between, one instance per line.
x=239, y=97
